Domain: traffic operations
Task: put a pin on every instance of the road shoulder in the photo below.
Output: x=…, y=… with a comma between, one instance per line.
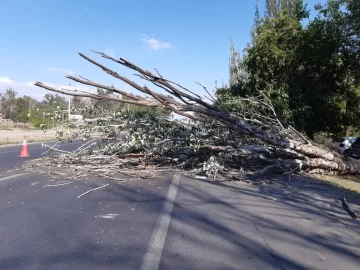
x=228, y=225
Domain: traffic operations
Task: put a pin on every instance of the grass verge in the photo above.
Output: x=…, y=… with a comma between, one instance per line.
x=340, y=182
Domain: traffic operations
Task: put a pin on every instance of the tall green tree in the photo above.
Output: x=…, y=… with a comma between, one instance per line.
x=52, y=100
x=310, y=72
x=353, y=6
x=7, y=101
x=271, y=60
x=335, y=44
x=273, y=7
x=255, y=23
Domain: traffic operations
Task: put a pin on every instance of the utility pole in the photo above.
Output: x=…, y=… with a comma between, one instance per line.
x=69, y=109
x=29, y=110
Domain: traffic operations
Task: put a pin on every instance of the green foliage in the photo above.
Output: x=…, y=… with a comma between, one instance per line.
x=18, y=108
x=53, y=108
x=272, y=58
x=274, y=7
x=171, y=141
x=54, y=100
x=7, y=103
x=310, y=72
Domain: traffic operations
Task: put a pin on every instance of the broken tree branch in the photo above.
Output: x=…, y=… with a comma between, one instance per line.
x=255, y=117
x=91, y=190
x=347, y=208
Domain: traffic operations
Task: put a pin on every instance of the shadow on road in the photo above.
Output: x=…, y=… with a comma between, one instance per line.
x=259, y=228
x=215, y=225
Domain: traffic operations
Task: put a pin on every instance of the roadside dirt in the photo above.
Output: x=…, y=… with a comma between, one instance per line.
x=16, y=136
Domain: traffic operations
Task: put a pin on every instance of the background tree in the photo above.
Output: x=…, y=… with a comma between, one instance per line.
x=310, y=72
x=112, y=106
x=272, y=58
x=7, y=101
x=54, y=100
x=353, y=6
x=332, y=69
x=22, y=105
x=273, y=7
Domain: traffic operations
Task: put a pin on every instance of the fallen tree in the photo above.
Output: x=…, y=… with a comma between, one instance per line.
x=218, y=134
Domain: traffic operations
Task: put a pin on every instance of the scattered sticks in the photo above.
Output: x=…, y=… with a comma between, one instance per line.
x=91, y=190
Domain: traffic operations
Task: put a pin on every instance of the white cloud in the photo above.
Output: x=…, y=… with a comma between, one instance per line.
x=110, y=52
x=22, y=88
x=155, y=44
x=62, y=70
x=5, y=80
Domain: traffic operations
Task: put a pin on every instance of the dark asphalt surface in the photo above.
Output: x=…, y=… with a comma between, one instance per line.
x=220, y=225
x=9, y=155
x=213, y=225
x=49, y=228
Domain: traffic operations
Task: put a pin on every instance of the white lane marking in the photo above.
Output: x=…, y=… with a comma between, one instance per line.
x=11, y=176
x=29, y=148
x=19, y=150
x=151, y=259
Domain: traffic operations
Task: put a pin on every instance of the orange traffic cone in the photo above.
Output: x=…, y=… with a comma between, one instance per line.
x=24, y=150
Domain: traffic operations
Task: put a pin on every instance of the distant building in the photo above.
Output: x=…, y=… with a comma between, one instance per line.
x=4, y=121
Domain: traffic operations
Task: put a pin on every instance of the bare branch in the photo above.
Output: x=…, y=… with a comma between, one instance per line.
x=212, y=98
x=150, y=76
x=174, y=109
x=91, y=190
x=113, y=73
x=84, y=78
x=159, y=73
x=113, y=89
x=144, y=102
x=116, y=75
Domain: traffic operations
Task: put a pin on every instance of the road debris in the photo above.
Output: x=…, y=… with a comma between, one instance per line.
x=91, y=190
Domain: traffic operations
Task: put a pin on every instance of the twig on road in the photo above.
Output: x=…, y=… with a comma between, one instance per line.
x=55, y=149
x=347, y=208
x=49, y=148
x=91, y=190
x=114, y=178
x=60, y=184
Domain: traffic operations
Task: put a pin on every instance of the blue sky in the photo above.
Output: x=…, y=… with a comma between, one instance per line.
x=185, y=40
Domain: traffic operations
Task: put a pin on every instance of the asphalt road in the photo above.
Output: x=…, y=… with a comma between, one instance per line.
x=47, y=227
x=173, y=222
x=9, y=155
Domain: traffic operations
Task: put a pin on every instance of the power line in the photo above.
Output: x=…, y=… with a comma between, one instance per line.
x=17, y=68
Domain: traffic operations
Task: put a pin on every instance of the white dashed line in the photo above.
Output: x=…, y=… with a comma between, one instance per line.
x=11, y=176
x=19, y=150
x=29, y=148
x=153, y=253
